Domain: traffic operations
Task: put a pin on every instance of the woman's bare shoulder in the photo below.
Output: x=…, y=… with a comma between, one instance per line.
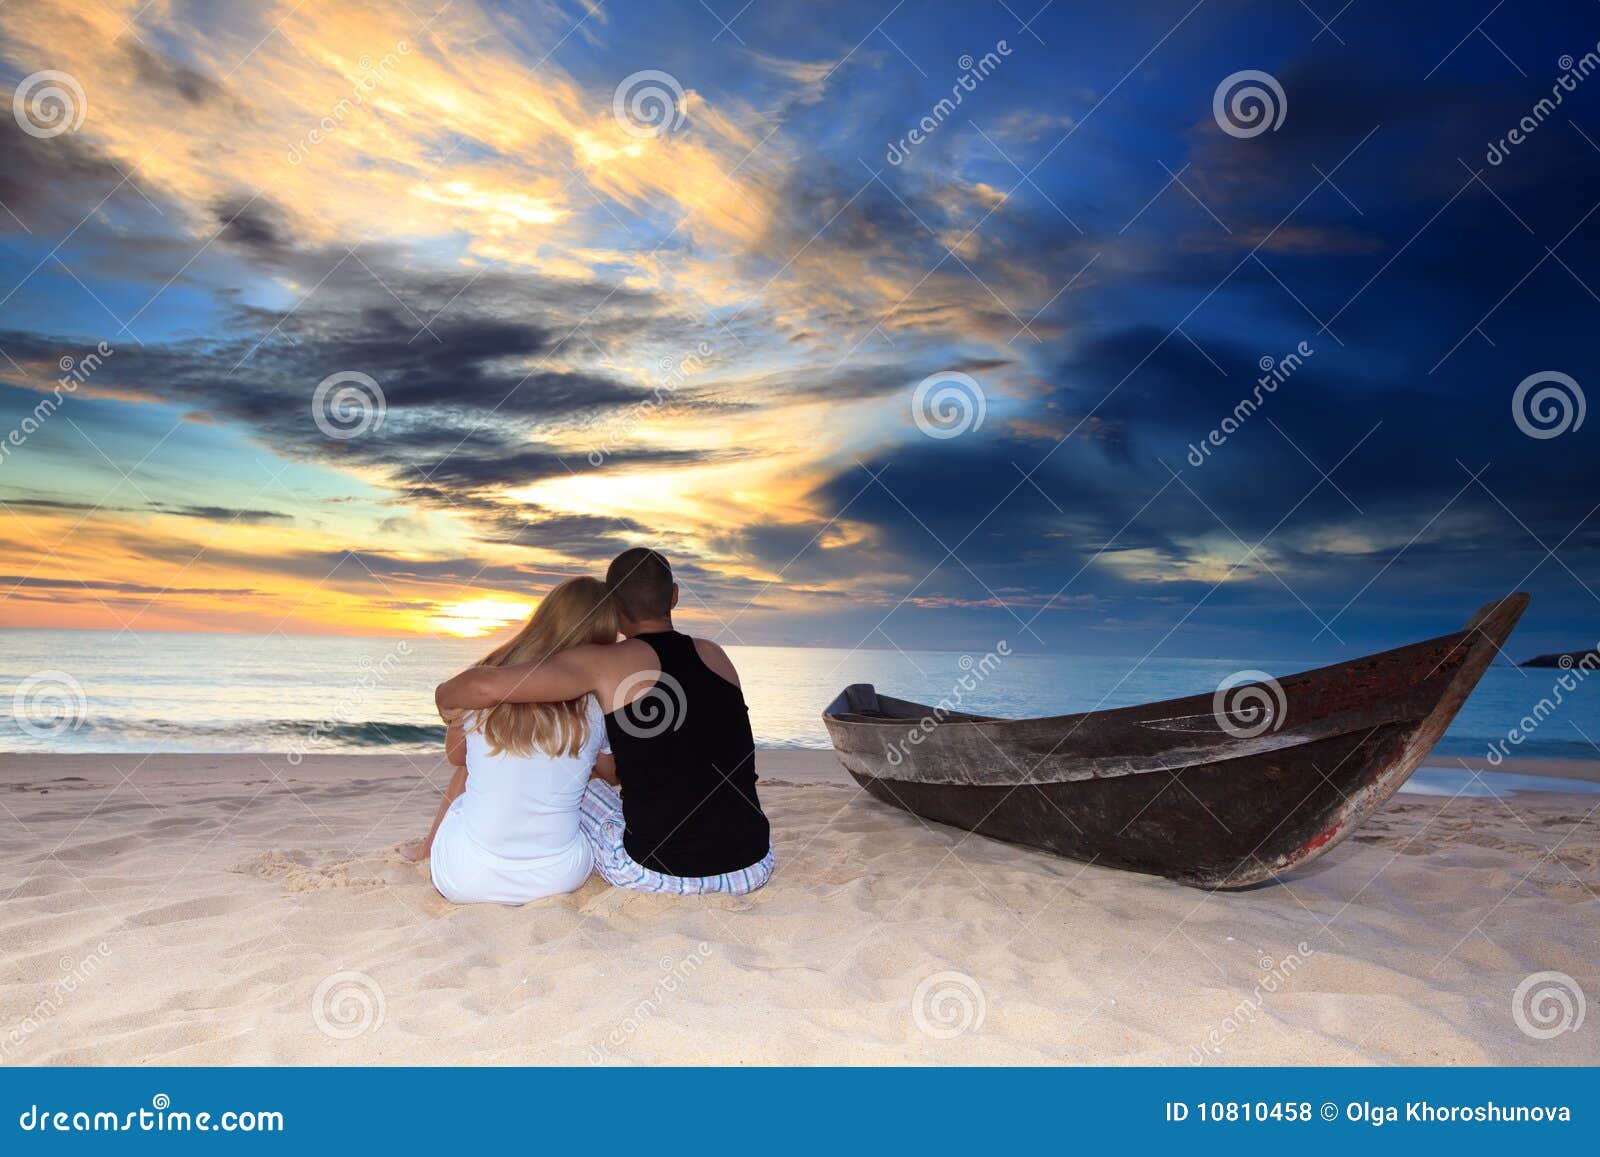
x=623, y=654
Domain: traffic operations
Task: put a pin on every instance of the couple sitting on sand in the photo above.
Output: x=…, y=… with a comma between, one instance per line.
x=552, y=723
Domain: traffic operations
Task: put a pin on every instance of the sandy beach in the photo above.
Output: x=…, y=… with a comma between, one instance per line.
x=238, y=910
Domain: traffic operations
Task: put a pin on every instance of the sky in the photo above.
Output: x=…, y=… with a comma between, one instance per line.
x=1200, y=328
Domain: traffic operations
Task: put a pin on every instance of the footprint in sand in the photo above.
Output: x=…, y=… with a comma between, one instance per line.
x=97, y=850
x=302, y=870
x=181, y=911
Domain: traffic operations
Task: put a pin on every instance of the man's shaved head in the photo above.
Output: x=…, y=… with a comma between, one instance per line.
x=640, y=580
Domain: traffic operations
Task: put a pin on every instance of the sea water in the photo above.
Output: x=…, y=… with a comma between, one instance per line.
x=104, y=691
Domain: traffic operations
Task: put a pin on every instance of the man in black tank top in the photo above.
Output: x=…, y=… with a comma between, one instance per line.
x=685, y=754
x=688, y=819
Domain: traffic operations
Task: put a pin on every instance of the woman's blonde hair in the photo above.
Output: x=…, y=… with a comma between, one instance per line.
x=575, y=612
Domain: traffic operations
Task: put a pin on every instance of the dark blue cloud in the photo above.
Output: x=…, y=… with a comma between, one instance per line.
x=1427, y=280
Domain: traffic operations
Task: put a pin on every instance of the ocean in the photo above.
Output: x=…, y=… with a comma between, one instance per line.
x=83, y=691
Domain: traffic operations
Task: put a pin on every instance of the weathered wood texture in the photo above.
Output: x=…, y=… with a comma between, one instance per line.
x=1173, y=788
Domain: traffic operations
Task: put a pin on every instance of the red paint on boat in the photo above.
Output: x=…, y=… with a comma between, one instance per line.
x=1318, y=841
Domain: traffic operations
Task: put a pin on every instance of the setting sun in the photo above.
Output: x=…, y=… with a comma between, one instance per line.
x=479, y=617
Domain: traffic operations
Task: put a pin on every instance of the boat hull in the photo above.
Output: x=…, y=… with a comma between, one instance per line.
x=1166, y=788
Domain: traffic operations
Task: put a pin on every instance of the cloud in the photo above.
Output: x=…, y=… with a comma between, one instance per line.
x=71, y=586
x=224, y=514
x=586, y=338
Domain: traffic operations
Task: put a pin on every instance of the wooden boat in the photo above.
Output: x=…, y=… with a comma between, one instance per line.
x=1218, y=790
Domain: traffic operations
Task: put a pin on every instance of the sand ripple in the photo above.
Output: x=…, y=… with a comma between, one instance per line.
x=235, y=910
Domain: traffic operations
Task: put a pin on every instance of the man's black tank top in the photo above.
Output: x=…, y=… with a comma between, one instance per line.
x=686, y=761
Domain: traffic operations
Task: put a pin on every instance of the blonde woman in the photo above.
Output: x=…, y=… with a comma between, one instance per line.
x=507, y=831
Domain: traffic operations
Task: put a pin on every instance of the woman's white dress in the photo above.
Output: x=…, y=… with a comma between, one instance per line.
x=513, y=836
